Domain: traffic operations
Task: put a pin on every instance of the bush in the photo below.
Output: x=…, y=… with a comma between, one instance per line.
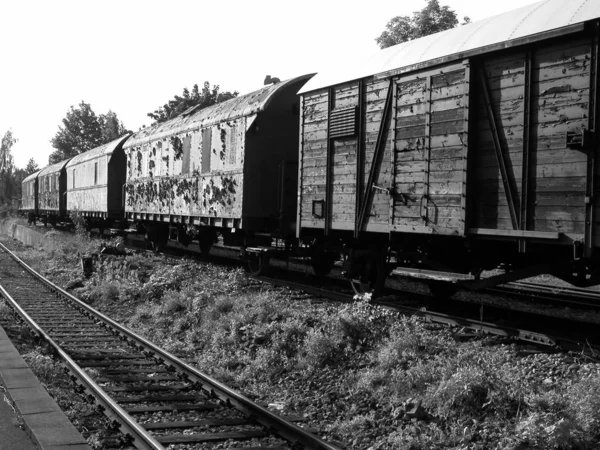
x=409, y=342
x=547, y=430
x=321, y=350
x=584, y=405
x=476, y=381
x=80, y=222
x=108, y=293
x=362, y=324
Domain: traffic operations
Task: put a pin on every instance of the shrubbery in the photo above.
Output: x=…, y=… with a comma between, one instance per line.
x=436, y=392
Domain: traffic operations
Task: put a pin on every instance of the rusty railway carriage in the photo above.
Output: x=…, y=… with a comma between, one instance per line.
x=95, y=181
x=454, y=153
x=29, y=196
x=52, y=186
x=230, y=169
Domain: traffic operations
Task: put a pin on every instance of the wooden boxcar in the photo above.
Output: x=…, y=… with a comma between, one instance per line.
x=453, y=153
x=29, y=196
x=231, y=166
x=52, y=188
x=95, y=181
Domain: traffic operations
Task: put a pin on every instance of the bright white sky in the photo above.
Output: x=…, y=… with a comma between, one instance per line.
x=133, y=56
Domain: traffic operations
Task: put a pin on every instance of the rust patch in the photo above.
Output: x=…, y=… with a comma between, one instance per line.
x=177, y=146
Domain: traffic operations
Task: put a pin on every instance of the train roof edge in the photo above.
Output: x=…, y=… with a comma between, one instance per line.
x=104, y=149
x=241, y=106
x=52, y=168
x=462, y=41
x=31, y=176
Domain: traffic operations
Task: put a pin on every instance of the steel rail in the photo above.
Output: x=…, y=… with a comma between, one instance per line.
x=287, y=430
x=557, y=290
x=474, y=324
x=142, y=439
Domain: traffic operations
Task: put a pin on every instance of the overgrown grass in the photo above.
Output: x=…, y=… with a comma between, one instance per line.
x=388, y=381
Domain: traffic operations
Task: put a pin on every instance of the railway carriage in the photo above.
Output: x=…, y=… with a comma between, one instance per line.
x=29, y=196
x=230, y=169
x=459, y=151
x=52, y=186
x=95, y=181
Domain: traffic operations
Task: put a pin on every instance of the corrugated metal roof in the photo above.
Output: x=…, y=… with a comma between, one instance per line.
x=523, y=22
x=33, y=176
x=53, y=168
x=105, y=149
x=241, y=106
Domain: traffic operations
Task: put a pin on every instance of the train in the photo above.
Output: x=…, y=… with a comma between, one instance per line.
x=466, y=158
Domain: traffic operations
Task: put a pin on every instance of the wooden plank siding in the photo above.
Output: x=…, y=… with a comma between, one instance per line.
x=314, y=156
x=438, y=123
x=400, y=175
x=430, y=152
x=560, y=87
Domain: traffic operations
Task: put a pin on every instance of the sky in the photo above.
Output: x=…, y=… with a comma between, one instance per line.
x=132, y=56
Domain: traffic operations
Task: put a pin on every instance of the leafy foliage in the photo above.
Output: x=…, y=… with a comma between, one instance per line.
x=6, y=159
x=31, y=167
x=112, y=127
x=431, y=19
x=83, y=130
x=10, y=186
x=196, y=99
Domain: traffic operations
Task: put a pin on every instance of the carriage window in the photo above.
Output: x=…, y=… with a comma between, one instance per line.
x=206, y=145
x=95, y=173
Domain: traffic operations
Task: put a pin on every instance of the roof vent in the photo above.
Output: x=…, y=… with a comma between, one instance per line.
x=269, y=80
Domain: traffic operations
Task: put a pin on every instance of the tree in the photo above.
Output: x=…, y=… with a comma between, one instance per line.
x=112, y=127
x=197, y=99
x=31, y=167
x=431, y=19
x=83, y=130
x=7, y=184
x=6, y=159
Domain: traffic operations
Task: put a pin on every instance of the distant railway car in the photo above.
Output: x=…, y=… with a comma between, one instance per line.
x=95, y=181
x=29, y=196
x=52, y=186
x=459, y=151
x=230, y=168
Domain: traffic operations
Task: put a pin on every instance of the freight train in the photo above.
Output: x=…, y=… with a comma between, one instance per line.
x=466, y=158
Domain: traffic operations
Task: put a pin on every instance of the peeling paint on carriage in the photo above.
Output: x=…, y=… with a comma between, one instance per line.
x=52, y=184
x=218, y=163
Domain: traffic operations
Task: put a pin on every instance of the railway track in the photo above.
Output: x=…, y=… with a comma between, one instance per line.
x=469, y=325
x=568, y=296
x=156, y=398
x=563, y=296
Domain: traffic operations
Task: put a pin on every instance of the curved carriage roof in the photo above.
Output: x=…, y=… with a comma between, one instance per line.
x=53, y=168
x=462, y=41
x=241, y=106
x=104, y=149
x=33, y=176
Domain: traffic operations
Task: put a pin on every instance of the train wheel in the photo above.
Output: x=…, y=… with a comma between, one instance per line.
x=158, y=246
x=183, y=237
x=258, y=264
x=373, y=274
x=205, y=242
x=157, y=236
x=442, y=290
x=322, y=263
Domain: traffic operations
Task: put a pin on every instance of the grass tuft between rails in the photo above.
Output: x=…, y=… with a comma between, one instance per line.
x=366, y=377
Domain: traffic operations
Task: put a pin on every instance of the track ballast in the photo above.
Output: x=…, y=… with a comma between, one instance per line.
x=155, y=397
